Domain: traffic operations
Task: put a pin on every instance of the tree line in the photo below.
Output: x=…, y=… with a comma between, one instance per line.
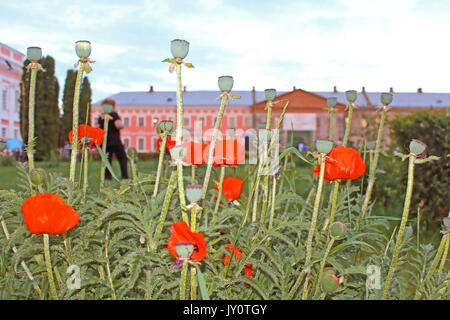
x=51, y=127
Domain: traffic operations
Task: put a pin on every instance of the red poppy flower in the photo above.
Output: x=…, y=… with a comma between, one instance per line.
x=231, y=188
x=182, y=234
x=195, y=153
x=236, y=252
x=48, y=213
x=227, y=152
x=96, y=134
x=348, y=165
x=248, y=270
x=169, y=143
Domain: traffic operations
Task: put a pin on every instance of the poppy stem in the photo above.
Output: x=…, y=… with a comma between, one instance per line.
x=433, y=267
x=194, y=283
x=48, y=263
x=85, y=172
x=193, y=171
x=74, y=146
x=322, y=264
x=444, y=255
x=398, y=245
x=220, y=187
x=183, y=280
x=330, y=136
x=162, y=151
x=165, y=208
x=312, y=228
x=212, y=147
x=373, y=167
x=108, y=269
x=272, y=203
x=349, y=123
x=105, y=140
x=31, y=103
x=193, y=218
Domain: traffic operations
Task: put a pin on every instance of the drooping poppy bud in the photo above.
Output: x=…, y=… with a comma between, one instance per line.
x=38, y=176
x=338, y=229
x=330, y=283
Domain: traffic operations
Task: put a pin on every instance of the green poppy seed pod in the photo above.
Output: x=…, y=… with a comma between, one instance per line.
x=332, y=102
x=194, y=192
x=184, y=249
x=324, y=146
x=83, y=48
x=131, y=153
x=225, y=83
x=2, y=146
x=371, y=145
x=179, y=48
x=34, y=53
x=338, y=229
x=38, y=176
x=386, y=98
x=270, y=94
x=417, y=147
x=107, y=108
x=165, y=126
x=329, y=283
x=178, y=152
x=350, y=95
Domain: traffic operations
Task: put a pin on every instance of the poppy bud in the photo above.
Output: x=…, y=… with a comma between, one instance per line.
x=131, y=153
x=38, y=176
x=324, y=146
x=83, y=48
x=328, y=271
x=330, y=283
x=34, y=53
x=225, y=83
x=178, y=152
x=270, y=94
x=179, y=48
x=184, y=249
x=371, y=145
x=417, y=147
x=194, y=192
x=350, y=95
x=386, y=98
x=338, y=229
x=2, y=146
x=331, y=102
x=107, y=108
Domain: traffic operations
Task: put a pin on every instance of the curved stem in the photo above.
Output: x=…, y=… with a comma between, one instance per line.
x=322, y=264
x=398, y=244
x=48, y=263
x=162, y=150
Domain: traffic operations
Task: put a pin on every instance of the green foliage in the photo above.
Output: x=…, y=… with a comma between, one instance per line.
x=431, y=180
x=47, y=119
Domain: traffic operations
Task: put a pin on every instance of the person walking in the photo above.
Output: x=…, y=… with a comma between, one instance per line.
x=113, y=143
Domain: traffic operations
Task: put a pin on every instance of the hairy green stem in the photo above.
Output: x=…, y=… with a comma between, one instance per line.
x=74, y=146
x=212, y=146
x=85, y=173
x=409, y=189
x=322, y=264
x=48, y=263
x=162, y=150
x=183, y=280
x=272, y=203
x=31, y=106
x=349, y=124
x=444, y=255
x=220, y=187
x=105, y=140
x=194, y=283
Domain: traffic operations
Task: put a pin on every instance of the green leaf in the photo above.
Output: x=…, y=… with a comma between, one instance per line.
x=202, y=285
x=168, y=60
x=105, y=160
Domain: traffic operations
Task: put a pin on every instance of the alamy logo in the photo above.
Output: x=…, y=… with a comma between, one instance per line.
x=373, y=281
x=74, y=281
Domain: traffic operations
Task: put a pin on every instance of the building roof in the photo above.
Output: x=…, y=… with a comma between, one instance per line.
x=208, y=98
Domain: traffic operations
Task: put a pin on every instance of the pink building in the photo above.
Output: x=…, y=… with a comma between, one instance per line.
x=11, y=62
x=141, y=111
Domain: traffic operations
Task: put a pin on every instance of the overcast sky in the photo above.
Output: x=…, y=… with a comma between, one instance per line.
x=310, y=44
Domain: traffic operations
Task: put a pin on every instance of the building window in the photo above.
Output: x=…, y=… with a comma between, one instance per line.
x=4, y=132
x=186, y=122
x=126, y=121
x=155, y=121
x=231, y=122
x=4, y=99
x=140, y=144
x=126, y=143
x=16, y=134
x=202, y=121
x=17, y=100
x=141, y=121
x=247, y=122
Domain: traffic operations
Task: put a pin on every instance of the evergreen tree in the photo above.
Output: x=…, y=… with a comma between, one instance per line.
x=85, y=98
x=47, y=116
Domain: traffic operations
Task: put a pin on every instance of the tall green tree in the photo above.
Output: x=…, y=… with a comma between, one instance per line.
x=46, y=108
x=85, y=98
